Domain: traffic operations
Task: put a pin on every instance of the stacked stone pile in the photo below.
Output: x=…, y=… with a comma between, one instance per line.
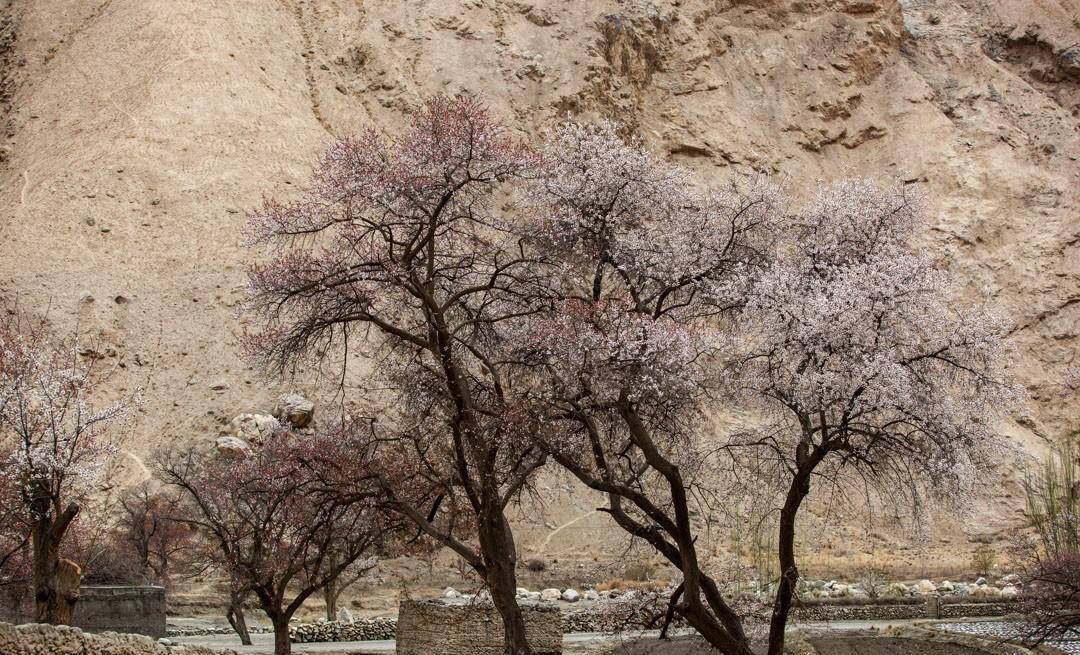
x=455, y=628
x=206, y=631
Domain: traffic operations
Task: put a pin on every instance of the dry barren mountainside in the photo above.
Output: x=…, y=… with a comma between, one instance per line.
x=137, y=133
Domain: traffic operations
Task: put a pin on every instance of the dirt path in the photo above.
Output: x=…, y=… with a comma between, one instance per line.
x=542, y=548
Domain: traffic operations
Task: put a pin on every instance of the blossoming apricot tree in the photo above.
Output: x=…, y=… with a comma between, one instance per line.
x=400, y=240
x=827, y=323
x=862, y=366
x=647, y=269
x=590, y=304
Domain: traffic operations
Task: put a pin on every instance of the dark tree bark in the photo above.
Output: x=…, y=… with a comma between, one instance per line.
x=806, y=460
x=500, y=562
x=789, y=572
x=331, y=591
x=282, y=644
x=235, y=616
x=56, y=584
x=331, y=594
x=667, y=528
x=669, y=614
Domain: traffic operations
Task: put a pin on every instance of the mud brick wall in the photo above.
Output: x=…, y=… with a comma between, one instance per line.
x=427, y=627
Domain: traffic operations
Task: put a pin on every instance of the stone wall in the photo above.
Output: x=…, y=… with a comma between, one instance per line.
x=426, y=627
x=40, y=639
x=885, y=612
x=594, y=619
x=134, y=609
x=373, y=629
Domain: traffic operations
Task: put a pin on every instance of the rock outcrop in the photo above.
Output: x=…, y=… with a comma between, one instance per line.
x=135, y=186
x=295, y=410
x=253, y=428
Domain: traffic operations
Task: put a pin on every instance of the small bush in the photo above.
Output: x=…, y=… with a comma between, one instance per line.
x=982, y=560
x=874, y=579
x=536, y=565
x=1053, y=500
x=640, y=572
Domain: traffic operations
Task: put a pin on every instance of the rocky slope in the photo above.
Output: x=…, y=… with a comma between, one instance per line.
x=139, y=131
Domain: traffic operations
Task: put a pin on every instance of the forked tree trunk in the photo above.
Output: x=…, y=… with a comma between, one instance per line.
x=702, y=605
x=500, y=560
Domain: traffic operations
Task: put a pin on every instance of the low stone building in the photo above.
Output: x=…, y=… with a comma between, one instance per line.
x=426, y=627
x=137, y=609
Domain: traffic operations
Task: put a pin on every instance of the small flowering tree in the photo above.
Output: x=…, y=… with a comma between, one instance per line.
x=399, y=243
x=861, y=366
x=1050, y=600
x=274, y=515
x=358, y=571
x=148, y=528
x=55, y=442
x=14, y=541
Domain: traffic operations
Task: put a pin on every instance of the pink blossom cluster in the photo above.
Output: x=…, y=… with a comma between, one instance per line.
x=54, y=437
x=389, y=229
x=602, y=202
x=851, y=340
x=607, y=346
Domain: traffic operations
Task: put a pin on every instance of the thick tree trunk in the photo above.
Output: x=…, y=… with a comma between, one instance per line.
x=331, y=594
x=144, y=562
x=789, y=572
x=331, y=591
x=56, y=581
x=235, y=616
x=500, y=560
x=282, y=645
x=45, y=564
x=68, y=579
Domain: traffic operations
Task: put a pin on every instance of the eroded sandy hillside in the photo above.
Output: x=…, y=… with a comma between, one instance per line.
x=140, y=131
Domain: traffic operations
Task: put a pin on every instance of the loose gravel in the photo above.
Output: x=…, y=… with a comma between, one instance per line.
x=1008, y=631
